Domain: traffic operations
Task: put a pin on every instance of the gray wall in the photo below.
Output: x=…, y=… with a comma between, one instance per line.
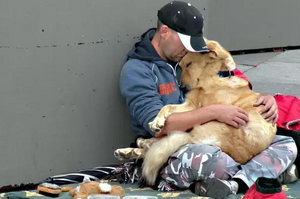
x=59, y=71
x=60, y=107
x=254, y=24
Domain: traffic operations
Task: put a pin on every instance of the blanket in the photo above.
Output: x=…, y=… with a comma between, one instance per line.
x=292, y=191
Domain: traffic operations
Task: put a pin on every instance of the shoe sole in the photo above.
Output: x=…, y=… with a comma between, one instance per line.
x=213, y=188
x=291, y=175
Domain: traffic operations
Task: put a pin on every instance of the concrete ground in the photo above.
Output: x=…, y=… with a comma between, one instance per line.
x=271, y=73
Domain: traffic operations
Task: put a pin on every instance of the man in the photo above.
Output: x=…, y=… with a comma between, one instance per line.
x=149, y=81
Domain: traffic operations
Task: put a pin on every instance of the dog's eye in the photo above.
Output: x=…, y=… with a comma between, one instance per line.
x=188, y=64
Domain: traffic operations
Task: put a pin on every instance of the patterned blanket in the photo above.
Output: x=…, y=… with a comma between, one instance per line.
x=292, y=191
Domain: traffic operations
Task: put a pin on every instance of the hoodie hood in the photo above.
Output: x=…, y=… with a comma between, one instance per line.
x=144, y=50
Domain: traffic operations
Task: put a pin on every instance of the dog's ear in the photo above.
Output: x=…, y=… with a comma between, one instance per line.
x=216, y=50
x=213, y=54
x=229, y=63
x=213, y=47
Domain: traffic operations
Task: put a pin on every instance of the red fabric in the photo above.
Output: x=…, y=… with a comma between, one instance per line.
x=240, y=74
x=252, y=193
x=288, y=110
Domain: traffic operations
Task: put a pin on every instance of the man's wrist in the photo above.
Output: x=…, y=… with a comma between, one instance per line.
x=209, y=112
x=212, y=112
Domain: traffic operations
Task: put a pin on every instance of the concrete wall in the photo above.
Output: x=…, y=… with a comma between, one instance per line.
x=60, y=107
x=254, y=24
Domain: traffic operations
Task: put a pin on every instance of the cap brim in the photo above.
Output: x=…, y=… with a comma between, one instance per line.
x=193, y=44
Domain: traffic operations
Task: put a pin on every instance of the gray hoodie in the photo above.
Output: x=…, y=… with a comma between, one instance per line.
x=147, y=83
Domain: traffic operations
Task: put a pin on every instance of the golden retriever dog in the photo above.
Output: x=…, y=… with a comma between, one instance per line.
x=206, y=87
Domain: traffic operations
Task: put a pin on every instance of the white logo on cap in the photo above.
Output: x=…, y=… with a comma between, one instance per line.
x=189, y=4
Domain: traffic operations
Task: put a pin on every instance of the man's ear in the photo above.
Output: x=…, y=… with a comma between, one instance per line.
x=165, y=32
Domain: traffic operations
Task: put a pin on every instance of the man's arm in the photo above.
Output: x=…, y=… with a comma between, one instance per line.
x=139, y=90
x=228, y=114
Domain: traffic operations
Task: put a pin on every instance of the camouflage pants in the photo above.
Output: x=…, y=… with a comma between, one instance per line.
x=194, y=162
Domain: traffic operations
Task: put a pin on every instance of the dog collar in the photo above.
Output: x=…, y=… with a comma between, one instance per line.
x=226, y=73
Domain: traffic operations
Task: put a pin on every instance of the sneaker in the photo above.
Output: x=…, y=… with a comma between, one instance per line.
x=290, y=175
x=265, y=188
x=215, y=188
x=163, y=186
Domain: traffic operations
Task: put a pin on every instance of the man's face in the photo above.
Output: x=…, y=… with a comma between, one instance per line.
x=172, y=47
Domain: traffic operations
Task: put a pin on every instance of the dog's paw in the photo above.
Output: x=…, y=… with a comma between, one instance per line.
x=123, y=154
x=145, y=143
x=157, y=125
x=141, y=143
x=129, y=153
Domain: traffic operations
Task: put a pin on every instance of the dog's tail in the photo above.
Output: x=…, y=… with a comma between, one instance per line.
x=159, y=152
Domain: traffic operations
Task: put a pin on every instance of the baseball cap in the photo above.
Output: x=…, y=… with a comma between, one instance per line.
x=187, y=21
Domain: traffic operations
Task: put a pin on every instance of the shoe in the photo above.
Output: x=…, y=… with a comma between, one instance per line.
x=163, y=186
x=289, y=176
x=265, y=188
x=215, y=188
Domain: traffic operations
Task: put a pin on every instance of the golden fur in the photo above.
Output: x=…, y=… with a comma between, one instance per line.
x=200, y=74
x=83, y=190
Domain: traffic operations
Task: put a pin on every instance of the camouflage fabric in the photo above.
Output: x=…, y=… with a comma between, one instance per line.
x=194, y=162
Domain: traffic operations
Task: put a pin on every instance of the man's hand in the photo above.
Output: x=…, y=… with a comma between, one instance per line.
x=231, y=115
x=269, y=110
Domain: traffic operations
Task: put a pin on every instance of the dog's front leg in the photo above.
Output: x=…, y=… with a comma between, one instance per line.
x=158, y=123
x=129, y=153
x=145, y=143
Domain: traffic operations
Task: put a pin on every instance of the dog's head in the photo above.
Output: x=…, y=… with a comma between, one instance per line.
x=197, y=66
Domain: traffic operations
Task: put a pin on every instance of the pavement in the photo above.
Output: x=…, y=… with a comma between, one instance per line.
x=271, y=73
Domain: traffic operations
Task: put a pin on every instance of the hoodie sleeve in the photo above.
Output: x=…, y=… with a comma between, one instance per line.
x=138, y=87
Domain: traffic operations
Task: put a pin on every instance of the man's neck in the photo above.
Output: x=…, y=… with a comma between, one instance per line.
x=156, y=42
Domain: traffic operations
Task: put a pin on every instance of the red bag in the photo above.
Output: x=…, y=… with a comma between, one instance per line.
x=288, y=111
